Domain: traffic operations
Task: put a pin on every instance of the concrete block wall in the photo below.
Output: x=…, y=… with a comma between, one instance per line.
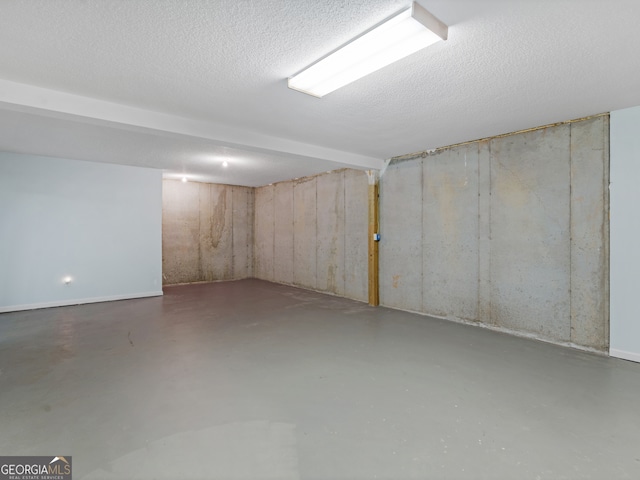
x=510, y=232
x=207, y=232
x=312, y=232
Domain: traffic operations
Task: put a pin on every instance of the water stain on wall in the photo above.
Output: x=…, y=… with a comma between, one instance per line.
x=198, y=239
x=218, y=218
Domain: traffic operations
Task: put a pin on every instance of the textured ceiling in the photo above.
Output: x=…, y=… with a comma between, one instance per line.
x=168, y=83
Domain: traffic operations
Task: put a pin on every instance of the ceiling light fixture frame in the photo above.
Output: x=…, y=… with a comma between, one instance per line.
x=397, y=37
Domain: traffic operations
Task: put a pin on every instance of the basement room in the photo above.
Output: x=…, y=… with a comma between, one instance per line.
x=335, y=239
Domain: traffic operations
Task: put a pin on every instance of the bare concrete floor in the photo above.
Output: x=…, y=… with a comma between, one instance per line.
x=254, y=380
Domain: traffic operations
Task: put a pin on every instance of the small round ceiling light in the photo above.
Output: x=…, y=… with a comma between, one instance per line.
x=184, y=179
x=225, y=164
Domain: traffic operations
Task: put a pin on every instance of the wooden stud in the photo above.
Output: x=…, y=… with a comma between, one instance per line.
x=374, y=293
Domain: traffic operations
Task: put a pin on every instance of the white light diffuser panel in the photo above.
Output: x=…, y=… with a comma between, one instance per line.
x=403, y=34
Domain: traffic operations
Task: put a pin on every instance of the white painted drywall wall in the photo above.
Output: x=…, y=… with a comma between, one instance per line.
x=100, y=224
x=625, y=234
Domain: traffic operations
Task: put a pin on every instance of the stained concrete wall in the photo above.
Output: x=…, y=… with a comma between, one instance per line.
x=356, y=235
x=305, y=232
x=510, y=232
x=283, y=246
x=264, y=241
x=401, y=244
x=312, y=232
x=207, y=232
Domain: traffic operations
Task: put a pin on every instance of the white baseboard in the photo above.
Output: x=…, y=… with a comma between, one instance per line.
x=66, y=303
x=634, y=357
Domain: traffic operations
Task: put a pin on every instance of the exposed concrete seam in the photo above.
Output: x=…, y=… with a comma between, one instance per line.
x=424, y=153
x=248, y=237
x=273, y=233
x=293, y=229
x=478, y=309
x=233, y=246
x=199, y=234
x=606, y=165
x=248, y=253
x=344, y=232
x=315, y=185
x=422, y=180
x=490, y=242
x=254, y=243
x=571, y=265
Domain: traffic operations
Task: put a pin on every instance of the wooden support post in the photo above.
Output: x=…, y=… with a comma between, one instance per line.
x=374, y=294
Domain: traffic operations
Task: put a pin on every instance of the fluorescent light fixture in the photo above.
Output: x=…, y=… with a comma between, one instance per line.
x=401, y=35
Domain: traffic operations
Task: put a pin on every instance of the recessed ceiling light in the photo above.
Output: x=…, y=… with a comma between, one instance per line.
x=399, y=36
x=184, y=179
x=225, y=164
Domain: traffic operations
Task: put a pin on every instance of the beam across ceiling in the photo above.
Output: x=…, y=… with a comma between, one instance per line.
x=34, y=99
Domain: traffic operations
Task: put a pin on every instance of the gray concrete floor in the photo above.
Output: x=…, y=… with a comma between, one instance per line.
x=254, y=380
